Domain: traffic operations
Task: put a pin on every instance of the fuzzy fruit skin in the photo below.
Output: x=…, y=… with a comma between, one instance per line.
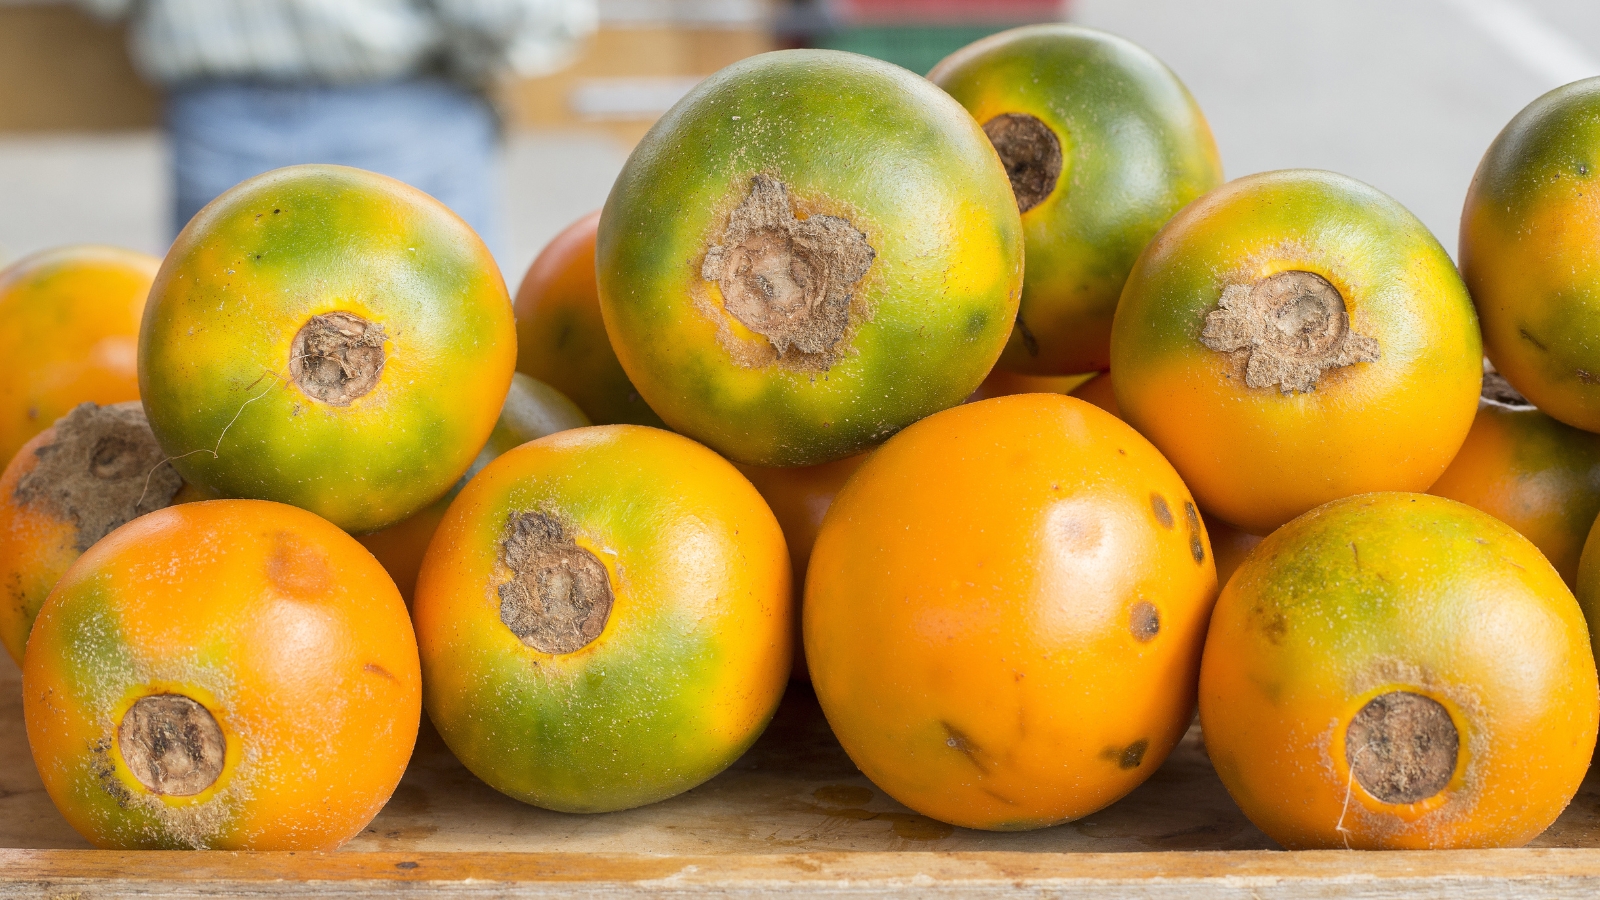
x=281, y=625
x=799, y=497
x=242, y=279
x=1257, y=457
x=561, y=337
x=1533, y=473
x=1398, y=591
x=1529, y=235
x=691, y=662
x=532, y=410
x=69, y=323
x=1135, y=149
x=970, y=606
x=851, y=137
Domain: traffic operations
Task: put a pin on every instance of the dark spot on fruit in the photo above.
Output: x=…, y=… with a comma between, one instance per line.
x=1128, y=757
x=1531, y=339
x=1197, y=547
x=976, y=322
x=1029, y=342
x=958, y=740
x=1402, y=747
x=1144, y=620
x=276, y=211
x=1588, y=377
x=1163, y=513
x=1031, y=154
x=376, y=669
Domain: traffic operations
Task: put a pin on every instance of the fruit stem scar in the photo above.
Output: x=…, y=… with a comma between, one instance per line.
x=1287, y=329
x=1402, y=747
x=171, y=744
x=1031, y=153
x=558, y=596
x=336, y=357
x=789, y=280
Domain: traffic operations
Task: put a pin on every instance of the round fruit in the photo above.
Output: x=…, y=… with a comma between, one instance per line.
x=1530, y=252
x=1103, y=144
x=799, y=497
x=1588, y=585
x=69, y=322
x=1529, y=471
x=233, y=675
x=809, y=252
x=604, y=618
x=532, y=410
x=1296, y=337
x=75, y=482
x=561, y=338
x=1004, y=612
x=1398, y=671
x=329, y=338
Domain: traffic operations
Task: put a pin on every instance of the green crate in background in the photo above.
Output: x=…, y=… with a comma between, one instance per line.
x=916, y=47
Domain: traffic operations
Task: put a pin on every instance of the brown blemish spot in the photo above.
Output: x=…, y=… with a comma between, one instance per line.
x=1197, y=547
x=843, y=795
x=1496, y=389
x=1144, y=620
x=171, y=744
x=787, y=279
x=1587, y=377
x=1287, y=329
x=1029, y=342
x=1128, y=757
x=957, y=740
x=1031, y=153
x=297, y=568
x=376, y=669
x=558, y=596
x=337, y=357
x=1527, y=336
x=1158, y=504
x=103, y=469
x=1402, y=747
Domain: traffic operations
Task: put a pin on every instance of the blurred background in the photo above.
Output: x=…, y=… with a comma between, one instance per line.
x=1403, y=94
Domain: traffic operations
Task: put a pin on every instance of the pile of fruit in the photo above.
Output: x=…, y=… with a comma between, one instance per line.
x=827, y=323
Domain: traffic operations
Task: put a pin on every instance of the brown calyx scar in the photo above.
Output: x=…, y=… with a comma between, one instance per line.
x=558, y=596
x=337, y=357
x=171, y=744
x=788, y=279
x=1402, y=747
x=103, y=469
x=1031, y=153
x=1287, y=328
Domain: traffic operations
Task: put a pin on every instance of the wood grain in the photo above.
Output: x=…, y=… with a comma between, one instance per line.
x=792, y=817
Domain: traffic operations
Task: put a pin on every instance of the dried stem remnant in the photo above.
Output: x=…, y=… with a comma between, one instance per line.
x=1402, y=747
x=786, y=279
x=171, y=744
x=1289, y=328
x=558, y=597
x=1031, y=153
x=337, y=357
x=103, y=469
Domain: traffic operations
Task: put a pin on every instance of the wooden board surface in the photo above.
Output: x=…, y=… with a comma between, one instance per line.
x=792, y=816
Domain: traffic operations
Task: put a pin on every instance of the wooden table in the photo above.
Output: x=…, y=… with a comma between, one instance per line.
x=792, y=818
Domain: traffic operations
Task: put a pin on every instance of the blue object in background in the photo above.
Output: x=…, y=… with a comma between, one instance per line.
x=431, y=133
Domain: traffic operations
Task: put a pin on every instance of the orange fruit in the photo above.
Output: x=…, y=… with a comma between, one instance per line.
x=72, y=484
x=774, y=296
x=231, y=675
x=1102, y=144
x=1529, y=471
x=1296, y=337
x=69, y=323
x=1396, y=670
x=1530, y=230
x=329, y=338
x=1004, y=612
x=604, y=617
